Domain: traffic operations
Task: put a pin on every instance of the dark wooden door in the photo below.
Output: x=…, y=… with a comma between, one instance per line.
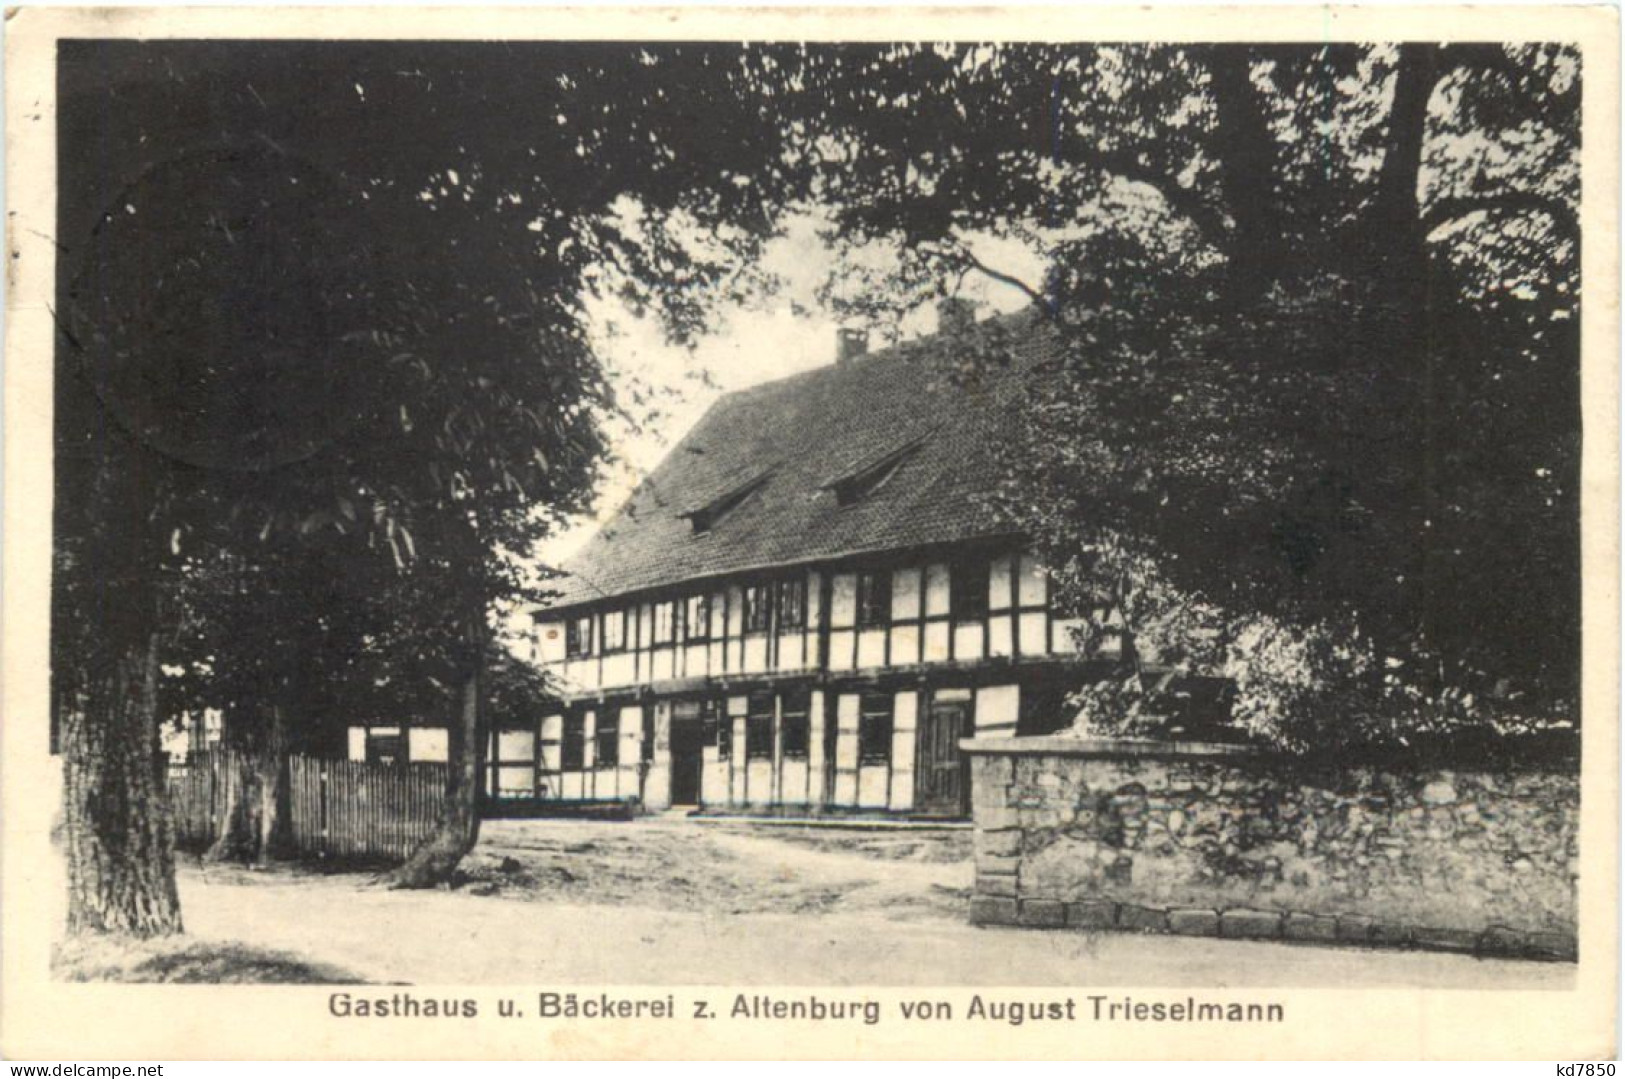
x=687, y=760
x=941, y=771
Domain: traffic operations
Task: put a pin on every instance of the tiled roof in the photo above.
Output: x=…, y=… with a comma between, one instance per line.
x=803, y=433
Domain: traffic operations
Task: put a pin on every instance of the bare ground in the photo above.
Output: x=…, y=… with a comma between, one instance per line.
x=681, y=902
x=727, y=867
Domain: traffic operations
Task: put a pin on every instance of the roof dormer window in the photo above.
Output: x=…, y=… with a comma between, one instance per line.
x=706, y=517
x=856, y=486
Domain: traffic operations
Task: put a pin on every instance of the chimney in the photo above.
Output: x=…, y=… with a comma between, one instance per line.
x=850, y=343
x=955, y=314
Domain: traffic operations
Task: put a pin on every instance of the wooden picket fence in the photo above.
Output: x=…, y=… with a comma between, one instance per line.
x=355, y=809
x=197, y=793
x=347, y=809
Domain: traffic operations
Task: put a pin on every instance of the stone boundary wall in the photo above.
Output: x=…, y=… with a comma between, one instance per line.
x=1218, y=840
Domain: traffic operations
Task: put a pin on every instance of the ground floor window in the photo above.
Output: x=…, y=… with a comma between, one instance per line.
x=715, y=728
x=759, y=727
x=1044, y=708
x=875, y=728
x=386, y=747
x=607, y=739
x=794, y=706
x=573, y=741
x=513, y=763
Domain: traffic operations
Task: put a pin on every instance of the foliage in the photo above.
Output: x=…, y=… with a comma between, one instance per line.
x=360, y=386
x=1301, y=687
x=517, y=692
x=325, y=335
x=324, y=375
x=1316, y=311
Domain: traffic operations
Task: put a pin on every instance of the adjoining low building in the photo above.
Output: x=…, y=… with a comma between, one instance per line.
x=808, y=604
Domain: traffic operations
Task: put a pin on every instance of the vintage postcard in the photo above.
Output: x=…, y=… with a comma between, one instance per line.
x=645, y=533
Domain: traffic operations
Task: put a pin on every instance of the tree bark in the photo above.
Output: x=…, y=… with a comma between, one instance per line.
x=1398, y=206
x=119, y=834
x=273, y=838
x=231, y=829
x=255, y=816
x=1398, y=261
x=437, y=858
x=1248, y=171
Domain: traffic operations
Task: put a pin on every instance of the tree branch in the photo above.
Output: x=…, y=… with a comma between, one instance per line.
x=964, y=255
x=1454, y=207
x=1184, y=200
x=1483, y=56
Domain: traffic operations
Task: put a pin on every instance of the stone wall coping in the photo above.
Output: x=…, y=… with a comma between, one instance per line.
x=1052, y=746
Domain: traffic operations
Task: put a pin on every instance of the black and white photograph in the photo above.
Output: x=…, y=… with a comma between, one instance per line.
x=750, y=524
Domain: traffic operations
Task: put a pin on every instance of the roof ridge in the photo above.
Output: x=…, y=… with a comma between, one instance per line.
x=898, y=350
x=828, y=421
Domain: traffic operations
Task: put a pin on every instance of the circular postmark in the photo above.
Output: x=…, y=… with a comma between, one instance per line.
x=221, y=308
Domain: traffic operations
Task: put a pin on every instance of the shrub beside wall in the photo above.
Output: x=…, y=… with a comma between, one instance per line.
x=1221, y=840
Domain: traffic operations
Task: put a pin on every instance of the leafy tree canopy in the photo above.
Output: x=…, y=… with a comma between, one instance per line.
x=1319, y=314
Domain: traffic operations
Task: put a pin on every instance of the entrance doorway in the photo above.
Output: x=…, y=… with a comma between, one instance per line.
x=687, y=753
x=941, y=770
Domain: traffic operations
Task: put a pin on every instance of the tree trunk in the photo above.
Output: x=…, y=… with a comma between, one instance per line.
x=437, y=858
x=1397, y=215
x=273, y=838
x=1399, y=263
x=1248, y=171
x=255, y=815
x=120, y=838
x=232, y=827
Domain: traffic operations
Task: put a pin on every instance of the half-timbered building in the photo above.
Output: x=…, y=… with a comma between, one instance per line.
x=806, y=606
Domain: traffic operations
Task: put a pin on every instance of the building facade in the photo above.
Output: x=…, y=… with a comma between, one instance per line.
x=807, y=606
x=844, y=685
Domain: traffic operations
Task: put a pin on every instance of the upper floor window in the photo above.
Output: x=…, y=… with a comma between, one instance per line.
x=665, y=622
x=967, y=590
x=874, y=598
x=758, y=608
x=615, y=630
x=578, y=637
x=1032, y=583
x=792, y=603
x=698, y=617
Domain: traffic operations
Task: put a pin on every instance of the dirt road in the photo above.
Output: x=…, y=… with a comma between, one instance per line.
x=675, y=902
